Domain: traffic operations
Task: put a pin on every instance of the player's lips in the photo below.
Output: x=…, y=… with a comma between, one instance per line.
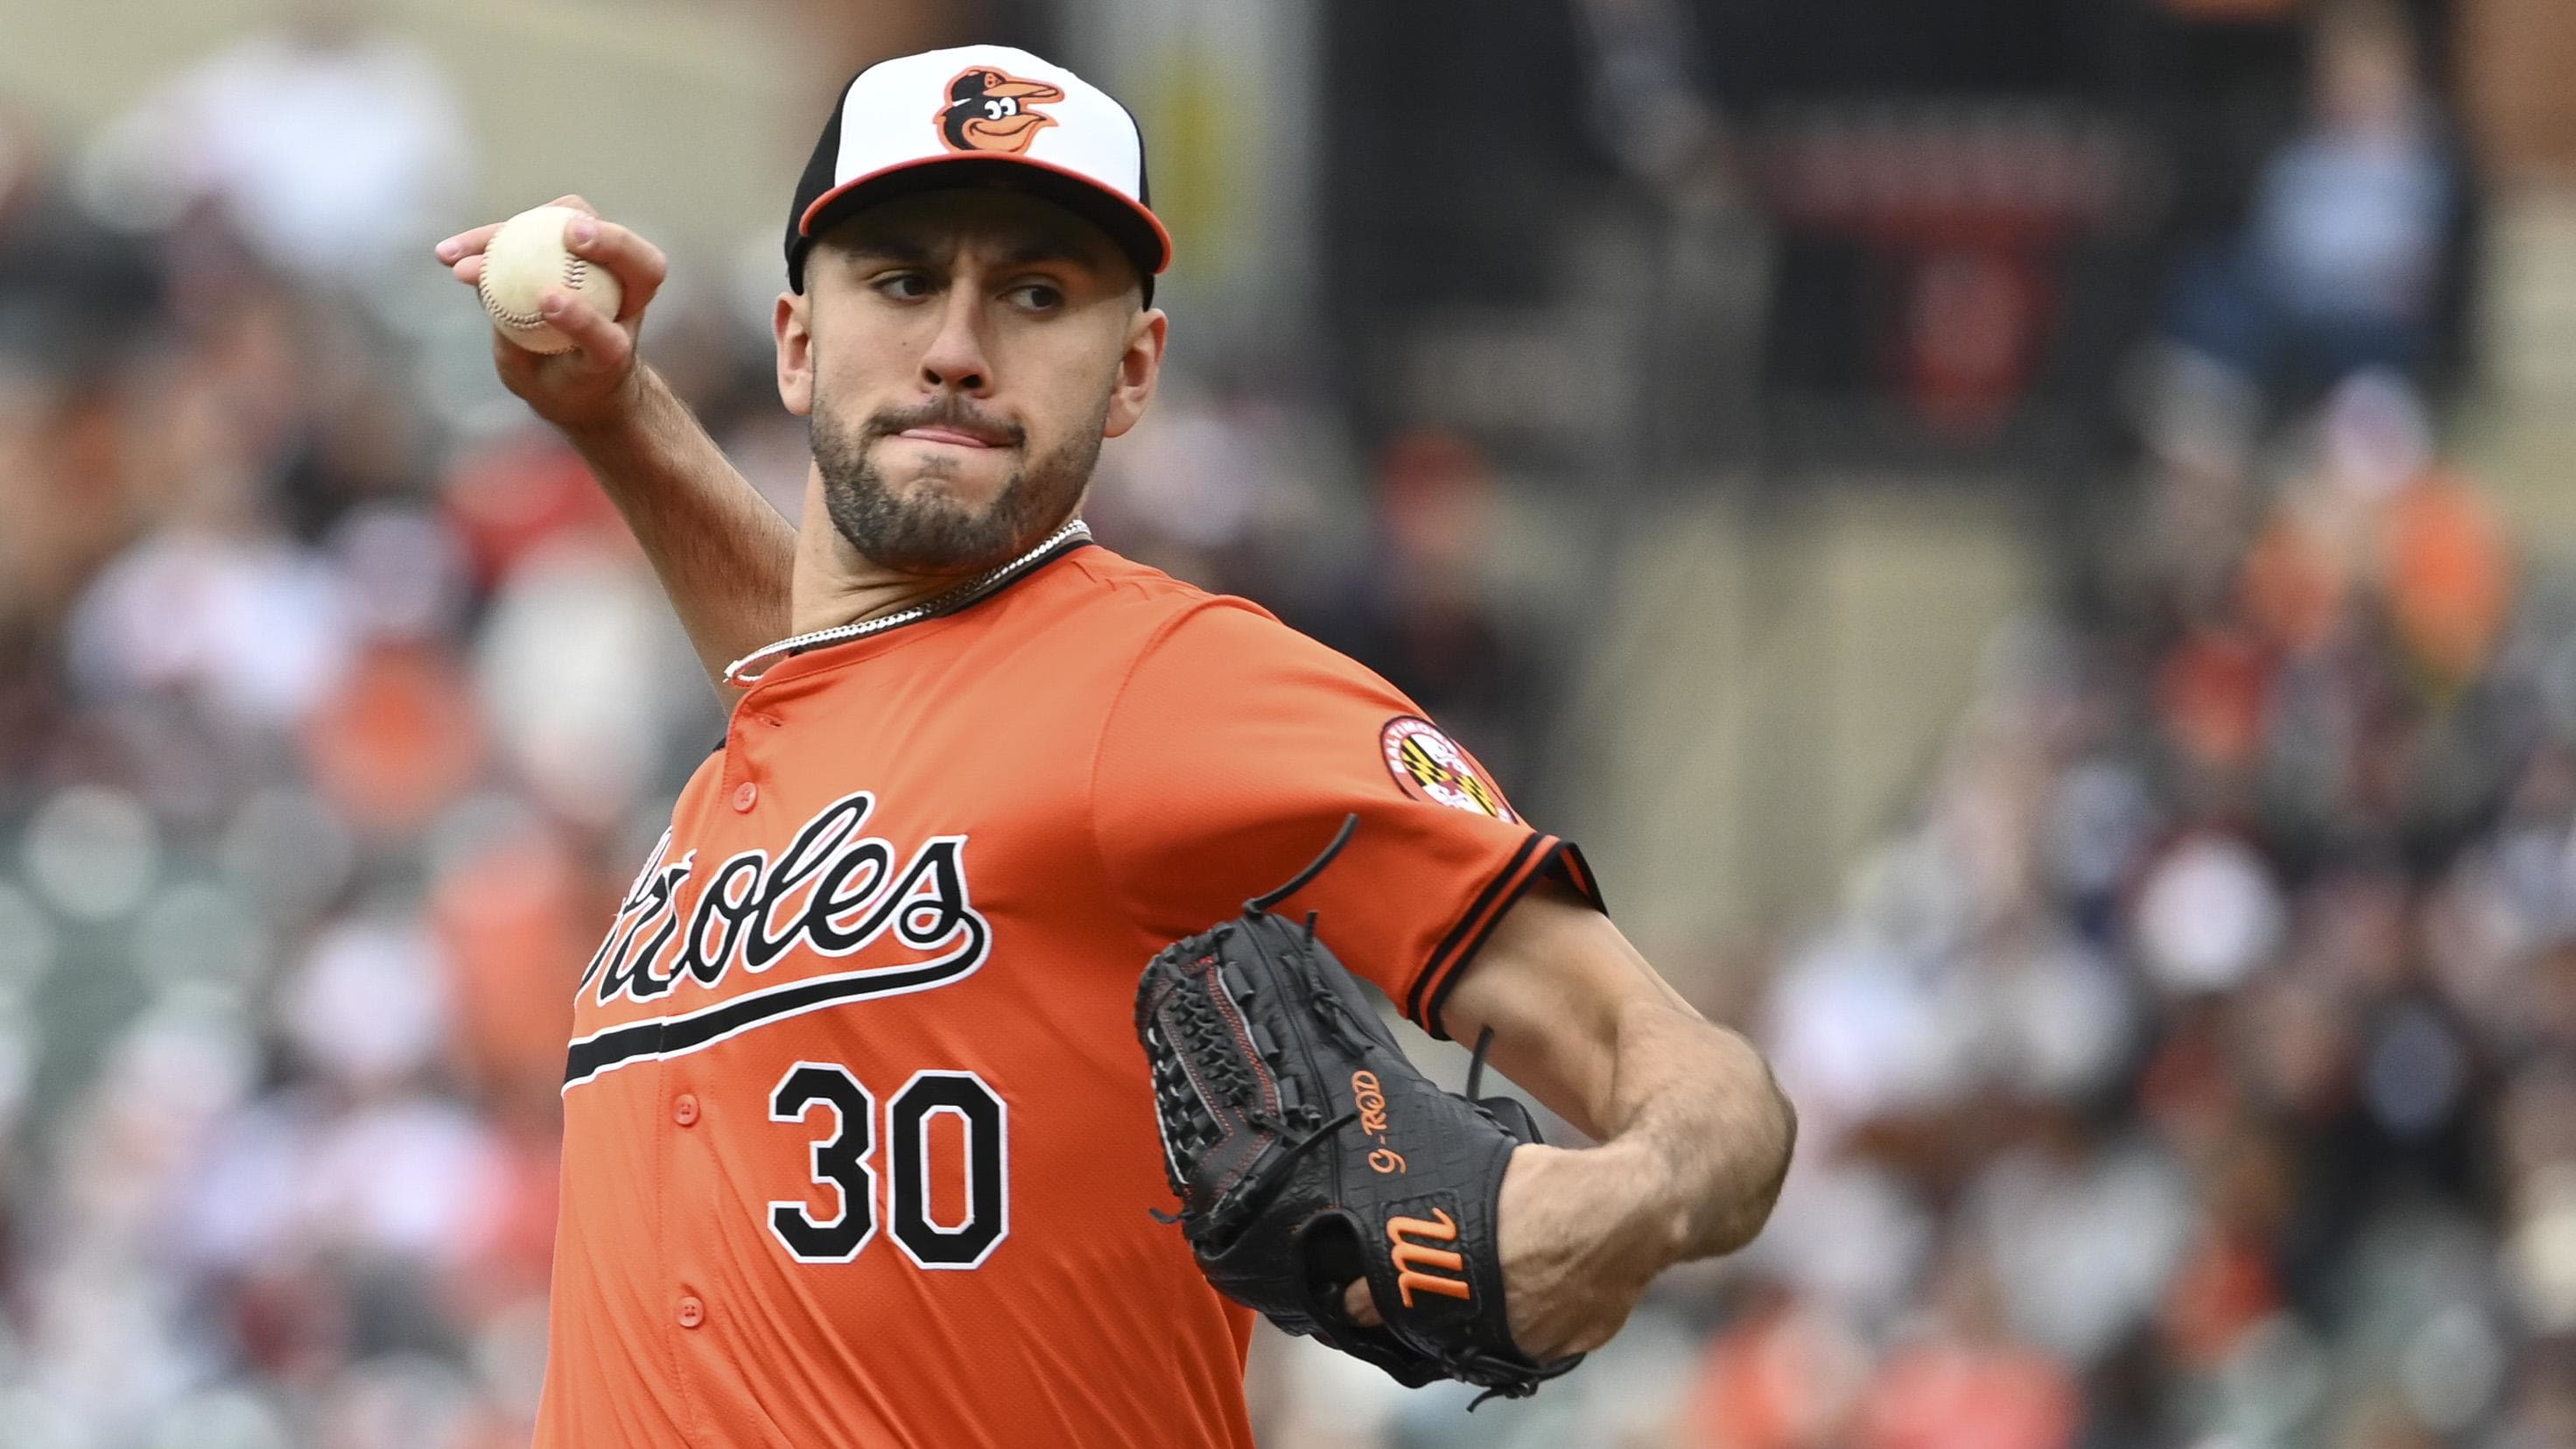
x=953, y=437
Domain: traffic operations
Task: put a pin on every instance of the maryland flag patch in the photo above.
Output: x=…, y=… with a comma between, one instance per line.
x=1428, y=765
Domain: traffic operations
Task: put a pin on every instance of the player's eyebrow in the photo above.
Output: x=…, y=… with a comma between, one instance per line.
x=1029, y=249
x=1048, y=247
x=903, y=251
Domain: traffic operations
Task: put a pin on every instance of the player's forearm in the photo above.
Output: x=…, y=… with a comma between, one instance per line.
x=1695, y=1133
x=723, y=554
x=1701, y=1127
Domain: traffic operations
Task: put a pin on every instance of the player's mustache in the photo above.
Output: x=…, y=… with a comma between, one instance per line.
x=950, y=412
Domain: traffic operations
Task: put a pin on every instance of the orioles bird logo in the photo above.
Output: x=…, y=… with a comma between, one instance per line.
x=989, y=111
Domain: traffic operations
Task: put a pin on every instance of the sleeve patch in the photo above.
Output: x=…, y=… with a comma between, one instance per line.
x=1428, y=765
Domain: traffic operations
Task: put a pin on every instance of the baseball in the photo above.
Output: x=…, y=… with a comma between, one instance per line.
x=528, y=255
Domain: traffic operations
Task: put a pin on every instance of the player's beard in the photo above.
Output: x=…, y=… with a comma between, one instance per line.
x=927, y=530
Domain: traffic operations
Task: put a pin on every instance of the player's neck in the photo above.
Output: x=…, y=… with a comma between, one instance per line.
x=835, y=584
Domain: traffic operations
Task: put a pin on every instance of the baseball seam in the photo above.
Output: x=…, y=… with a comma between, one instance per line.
x=515, y=321
x=576, y=270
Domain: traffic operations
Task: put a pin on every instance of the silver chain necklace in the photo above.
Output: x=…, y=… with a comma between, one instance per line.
x=954, y=599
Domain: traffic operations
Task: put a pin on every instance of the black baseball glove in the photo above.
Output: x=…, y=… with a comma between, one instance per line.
x=1307, y=1152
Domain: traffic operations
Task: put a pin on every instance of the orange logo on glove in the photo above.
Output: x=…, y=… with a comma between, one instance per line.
x=1411, y=1258
x=1369, y=1099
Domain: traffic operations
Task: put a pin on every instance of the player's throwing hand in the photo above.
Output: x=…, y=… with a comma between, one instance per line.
x=594, y=381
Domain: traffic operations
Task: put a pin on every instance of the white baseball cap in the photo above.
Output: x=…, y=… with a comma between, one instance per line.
x=980, y=115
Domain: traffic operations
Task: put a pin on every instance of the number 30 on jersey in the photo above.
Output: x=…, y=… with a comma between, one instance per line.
x=841, y=1167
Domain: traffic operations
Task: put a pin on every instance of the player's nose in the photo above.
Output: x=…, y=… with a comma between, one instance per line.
x=955, y=360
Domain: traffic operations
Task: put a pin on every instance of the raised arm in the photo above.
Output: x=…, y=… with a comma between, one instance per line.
x=1695, y=1136
x=723, y=554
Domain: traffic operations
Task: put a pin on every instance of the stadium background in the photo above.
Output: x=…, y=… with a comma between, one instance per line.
x=2029, y=538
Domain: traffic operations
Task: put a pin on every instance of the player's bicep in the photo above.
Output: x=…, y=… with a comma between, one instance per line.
x=1554, y=982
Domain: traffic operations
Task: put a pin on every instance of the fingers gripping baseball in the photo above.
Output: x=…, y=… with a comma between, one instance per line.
x=599, y=343
x=636, y=263
x=588, y=380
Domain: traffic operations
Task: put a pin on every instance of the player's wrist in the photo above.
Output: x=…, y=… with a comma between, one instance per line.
x=1618, y=1197
x=1712, y=1158
x=622, y=419
x=1647, y=1217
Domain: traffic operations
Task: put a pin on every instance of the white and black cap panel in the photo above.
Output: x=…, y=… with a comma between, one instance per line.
x=987, y=99
x=935, y=119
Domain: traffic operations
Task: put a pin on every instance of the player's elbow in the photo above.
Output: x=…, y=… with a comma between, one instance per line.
x=1766, y=1161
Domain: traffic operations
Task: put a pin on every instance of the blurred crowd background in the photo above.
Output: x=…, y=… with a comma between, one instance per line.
x=2029, y=538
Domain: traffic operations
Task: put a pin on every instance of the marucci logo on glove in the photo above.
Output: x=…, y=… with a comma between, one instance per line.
x=1412, y=1258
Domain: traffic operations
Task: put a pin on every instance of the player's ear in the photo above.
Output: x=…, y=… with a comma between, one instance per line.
x=1140, y=367
x=791, y=323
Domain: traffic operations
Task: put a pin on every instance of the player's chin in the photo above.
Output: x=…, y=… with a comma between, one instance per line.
x=969, y=479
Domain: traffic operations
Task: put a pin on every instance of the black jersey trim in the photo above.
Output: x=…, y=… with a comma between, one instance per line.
x=1540, y=857
x=672, y=1036
x=1415, y=1004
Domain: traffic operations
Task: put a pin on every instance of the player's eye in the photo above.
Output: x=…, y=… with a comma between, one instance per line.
x=904, y=286
x=1038, y=296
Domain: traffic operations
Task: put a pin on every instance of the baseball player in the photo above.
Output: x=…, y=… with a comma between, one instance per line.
x=859, y=1147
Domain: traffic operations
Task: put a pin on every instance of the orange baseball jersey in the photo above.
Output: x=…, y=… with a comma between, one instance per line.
x=859, y=1146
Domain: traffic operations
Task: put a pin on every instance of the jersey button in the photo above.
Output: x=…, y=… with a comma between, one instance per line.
x=692, y=1312
x=684, y=1109
x=746, y=795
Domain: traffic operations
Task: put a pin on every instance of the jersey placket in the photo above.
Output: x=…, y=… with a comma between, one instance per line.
x=746, y=735
x=687, y=1176
x=693, y=1116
